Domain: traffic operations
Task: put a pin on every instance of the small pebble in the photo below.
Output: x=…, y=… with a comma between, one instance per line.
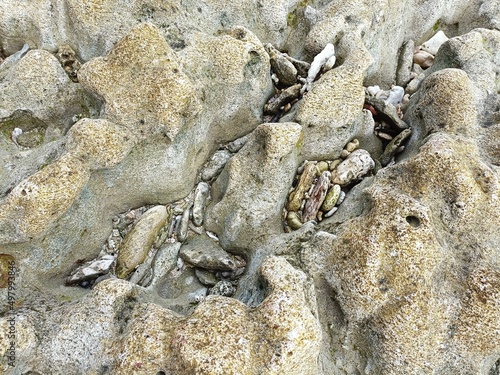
x=318, y=195
x=284, y=69
x=334, y=164
x=293, y=220
x=200, y=197
x=212, y=235
x=372, y=90
x=341, y=198
x=424, y=59
x=301, y=66
x=237, y=144
x=322, y=166
x=358, y=164
x=390, y=149
x=417, y=69
x=184, y=225
x=215, y=165
x=414, y=84
x=344, y=154
x=305, y=181
x=331, y=198
x=137, y=243
x=331, y=212
x=223, y=288
x=91, y=270
x=353, y=145
x=395, y=95
x=206, y=277
x=171, y=227
x=384, y=136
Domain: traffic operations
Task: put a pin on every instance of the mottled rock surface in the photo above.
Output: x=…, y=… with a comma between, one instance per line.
x=247, y=201
x=167, y=111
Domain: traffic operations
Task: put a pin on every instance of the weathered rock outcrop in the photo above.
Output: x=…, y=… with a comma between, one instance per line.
x=185, y=189
x=123, y=333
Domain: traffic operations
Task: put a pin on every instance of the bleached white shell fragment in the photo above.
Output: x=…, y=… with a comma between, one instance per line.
x=373, y=90
x=395, y=95
x=433, y=44
x=318, y=62
x=91, y=270
x=200, y=197
x=329, y=64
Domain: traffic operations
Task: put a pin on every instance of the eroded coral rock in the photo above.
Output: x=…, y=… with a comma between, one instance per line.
x=279, y=336
x=357, y=164
x=329, y=109
x=37, y=83
x=230, y=64
x=447, y=103
x=143, y=65
x=38, y=201
x=100, y=143
x=238, y=214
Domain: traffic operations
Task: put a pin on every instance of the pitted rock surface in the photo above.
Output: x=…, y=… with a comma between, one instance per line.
x=180, y=107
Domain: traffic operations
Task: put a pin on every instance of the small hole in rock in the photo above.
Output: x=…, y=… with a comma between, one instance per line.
x=160, y=373
x=413, y=221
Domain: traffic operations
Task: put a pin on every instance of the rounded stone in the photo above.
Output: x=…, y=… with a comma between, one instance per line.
x=137, y=243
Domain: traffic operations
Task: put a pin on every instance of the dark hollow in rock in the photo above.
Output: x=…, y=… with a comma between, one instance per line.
x=413, y=221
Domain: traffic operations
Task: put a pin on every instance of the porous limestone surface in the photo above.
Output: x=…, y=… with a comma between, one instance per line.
x=191, y=146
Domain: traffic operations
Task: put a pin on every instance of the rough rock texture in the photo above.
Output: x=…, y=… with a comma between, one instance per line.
x=281, y=336
x=155, y=170
x=41, y=198
x=328, y=111
x=201, y=251
x=38, y=85
x=222, y=67
x=99, y=143
x=403, y=278
x=142, y=85
x=248, y=201
x=409, y=261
